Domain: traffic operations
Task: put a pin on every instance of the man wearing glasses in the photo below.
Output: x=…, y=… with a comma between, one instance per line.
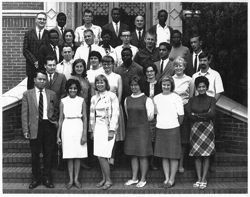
x=33, y=39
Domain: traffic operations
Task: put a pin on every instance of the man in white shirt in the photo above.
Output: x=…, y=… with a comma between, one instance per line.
x=88, y=19
x=83, y=51
x=214, y=78
x=65, y=67
x=125, y=37
x=162, y=31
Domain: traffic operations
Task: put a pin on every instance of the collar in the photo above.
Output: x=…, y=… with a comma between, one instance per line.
x=202, y=74
x=137, y=96
x=159, y=26
x=60, y=27
x=116, y=23
x=38, y=90
x=197, y=53
x=37, y=29
x=53, y=46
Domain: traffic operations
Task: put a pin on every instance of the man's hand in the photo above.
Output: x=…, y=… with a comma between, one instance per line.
x=111, y=134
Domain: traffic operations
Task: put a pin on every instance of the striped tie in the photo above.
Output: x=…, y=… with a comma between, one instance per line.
x=40, y=107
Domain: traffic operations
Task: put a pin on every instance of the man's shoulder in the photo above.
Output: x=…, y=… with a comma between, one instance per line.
x=96, y=26
x=79, y=28
x=214, y=72
x=106, y=26
x=136, y=65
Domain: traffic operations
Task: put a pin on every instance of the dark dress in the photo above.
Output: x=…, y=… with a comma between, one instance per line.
x=202, y=127
x=138, y=136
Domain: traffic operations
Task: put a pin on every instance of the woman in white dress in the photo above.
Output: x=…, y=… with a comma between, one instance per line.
x=115, y=83
x=72, y=130
x=104, y=114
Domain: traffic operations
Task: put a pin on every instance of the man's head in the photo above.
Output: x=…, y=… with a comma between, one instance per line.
x=127, y=55
x=67, y=52
x=196, y=43
x=139, y=22
x=40, y=79
x=89, y=36
x=115, y=14
x=164, y=50
x=61, y=19
x=162, y=16
x=106, y=36
x=150, y=40
x=88, y=16
x=41, y=19
x=53, y=37
x=176, y=38
x=126, y=36
x=50, y=64
x=204, y=60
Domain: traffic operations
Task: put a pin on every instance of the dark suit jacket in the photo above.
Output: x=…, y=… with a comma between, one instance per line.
x=57, y=85
x=168, y=70
x=140, y=44
x=30, y=113
x=189, y=70
x=115, y=41
x=46, y=50
x=60, y=35
x=31, y=46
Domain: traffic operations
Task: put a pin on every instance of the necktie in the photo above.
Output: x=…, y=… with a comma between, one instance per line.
x=116, y=29
x=195, y=63
x=162, y=63
x=54, y=48
x=62, y=30
x=88, y=64
x=39, y=34
x=40, y=107
x=50, y=80
x=139, y=35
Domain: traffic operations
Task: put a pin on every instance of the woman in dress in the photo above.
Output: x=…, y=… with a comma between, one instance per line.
x=72, y=130
x=69, y=38
x=140, y=110
x=169, y=109
x=152, y=88
x=104, y=113
x=95, y=69
x=182, y=88
x=115, y=83
x=201, y=111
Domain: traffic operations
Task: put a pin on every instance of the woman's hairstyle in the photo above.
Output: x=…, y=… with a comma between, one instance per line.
x=71, y=82
x=180, y=60
x=108, y=58
x=96, y=54
x=201, y=79
x=148, y=66
x=102, y=77
x=72, y=32
x=84, y=73
x=139, y=81
x=170, y=79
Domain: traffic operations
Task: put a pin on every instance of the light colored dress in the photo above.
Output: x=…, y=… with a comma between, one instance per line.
x=104, y=113
x=72, y=128
x=113, y=79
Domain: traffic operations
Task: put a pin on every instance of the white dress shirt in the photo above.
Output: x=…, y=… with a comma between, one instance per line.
x=65, y=68
x=41, y=32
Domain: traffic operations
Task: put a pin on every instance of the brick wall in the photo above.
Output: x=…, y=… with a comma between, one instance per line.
x=22, y=5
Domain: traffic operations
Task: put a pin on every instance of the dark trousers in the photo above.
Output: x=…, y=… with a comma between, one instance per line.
x=45, y=144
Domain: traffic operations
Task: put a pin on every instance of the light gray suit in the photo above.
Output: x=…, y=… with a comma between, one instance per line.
x=168, y=70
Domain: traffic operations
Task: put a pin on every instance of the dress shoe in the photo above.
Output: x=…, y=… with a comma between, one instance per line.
x=48, y=184
x=34, y=184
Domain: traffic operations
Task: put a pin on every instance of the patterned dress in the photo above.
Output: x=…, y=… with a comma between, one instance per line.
x=201, y=110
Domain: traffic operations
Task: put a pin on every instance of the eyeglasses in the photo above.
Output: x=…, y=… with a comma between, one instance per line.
x=42, y=19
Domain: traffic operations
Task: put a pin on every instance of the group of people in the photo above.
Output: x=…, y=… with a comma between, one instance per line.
x=111, y=85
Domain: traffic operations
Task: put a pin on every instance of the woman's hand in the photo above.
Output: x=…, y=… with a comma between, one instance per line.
x=59, y=141
x=83, y=140
x=111, y=134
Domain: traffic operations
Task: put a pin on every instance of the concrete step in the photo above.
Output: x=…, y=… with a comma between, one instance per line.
x=23, y=174
x=22, y=159
x=119, y=188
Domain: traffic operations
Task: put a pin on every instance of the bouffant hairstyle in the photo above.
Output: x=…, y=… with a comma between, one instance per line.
x=137, y=80
x=108, y=58
x=96, y=54
x=102, y=77
x=84, y=73
x=170, y=79
x=180, y=60
x=150, y=65
x=201, y=79
x=72, y=33
x=71, y=82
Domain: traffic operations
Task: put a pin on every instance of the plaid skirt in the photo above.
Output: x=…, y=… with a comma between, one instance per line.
x=202, y=139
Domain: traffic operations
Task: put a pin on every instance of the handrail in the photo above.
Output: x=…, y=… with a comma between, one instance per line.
x=226, y=105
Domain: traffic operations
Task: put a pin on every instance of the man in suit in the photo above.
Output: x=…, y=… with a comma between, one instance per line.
x=165, y=65
x=116, y=27
x=60, y=28
x=162, y=30
x=52, y=48
x=196, y=44
x=137, y=36
x=56, y=81
x=33, y=39
x=149, y=54
x=39, y=122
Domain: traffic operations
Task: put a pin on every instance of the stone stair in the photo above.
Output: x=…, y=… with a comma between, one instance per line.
x=229, y=175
